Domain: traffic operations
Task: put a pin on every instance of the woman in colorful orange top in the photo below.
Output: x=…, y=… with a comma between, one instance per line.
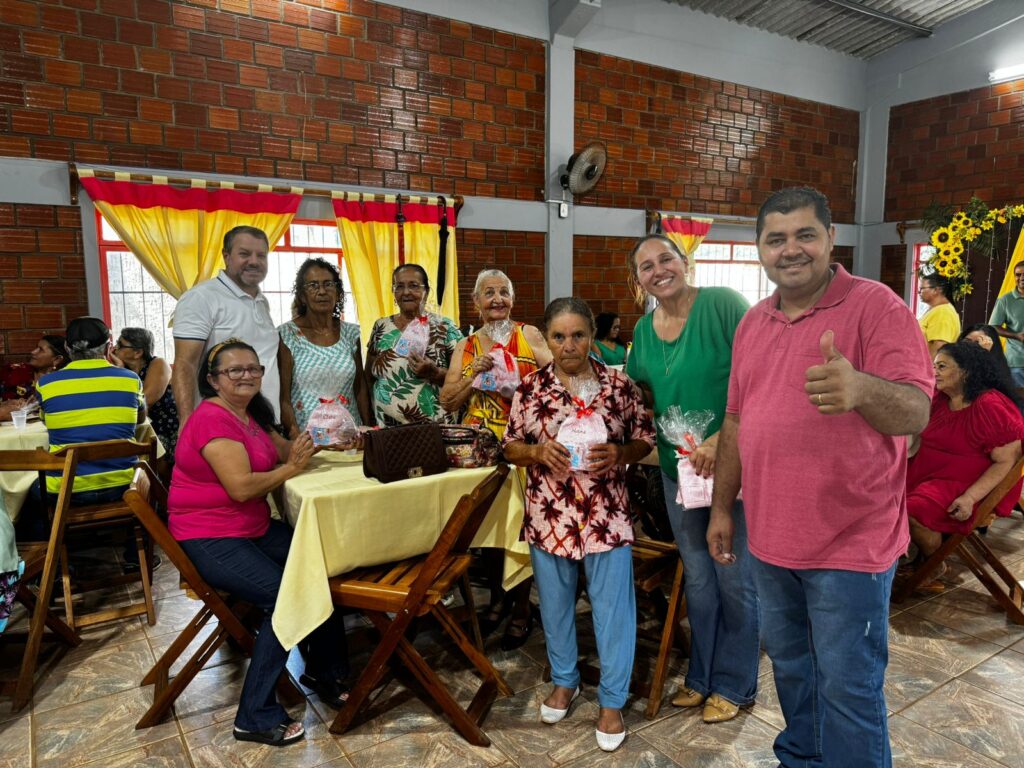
x=494, y=297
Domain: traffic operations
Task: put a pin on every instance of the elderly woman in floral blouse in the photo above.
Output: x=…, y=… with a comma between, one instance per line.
x=575, y=517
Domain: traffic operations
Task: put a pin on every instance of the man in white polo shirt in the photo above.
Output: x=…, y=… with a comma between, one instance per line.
x=229, y=305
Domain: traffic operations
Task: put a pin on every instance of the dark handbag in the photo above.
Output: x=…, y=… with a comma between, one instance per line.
x=470, y=447
x=398, y=453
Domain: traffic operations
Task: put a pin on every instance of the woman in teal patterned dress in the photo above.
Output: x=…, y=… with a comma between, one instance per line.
x=320, y=356
x=407, y=389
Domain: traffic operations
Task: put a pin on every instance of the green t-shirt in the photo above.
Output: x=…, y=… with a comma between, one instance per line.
x=1009, y=311
x=692, y=371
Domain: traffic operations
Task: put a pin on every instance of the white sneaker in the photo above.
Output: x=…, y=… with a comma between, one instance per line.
x=550, y=715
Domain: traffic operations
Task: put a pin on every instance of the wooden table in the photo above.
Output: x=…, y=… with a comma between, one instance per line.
x=344, y=520
x=15, y=485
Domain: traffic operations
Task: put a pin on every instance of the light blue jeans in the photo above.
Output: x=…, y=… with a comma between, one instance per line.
x=721, y=602
x=826, y=632
x=613, y=605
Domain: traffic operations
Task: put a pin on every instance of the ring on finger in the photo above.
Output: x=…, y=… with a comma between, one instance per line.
x=819, y=399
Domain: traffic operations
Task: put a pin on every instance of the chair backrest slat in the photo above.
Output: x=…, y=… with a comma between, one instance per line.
x=460, y=530
x=997, y=494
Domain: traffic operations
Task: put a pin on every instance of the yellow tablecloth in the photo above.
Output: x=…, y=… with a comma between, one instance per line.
x=15, y=485
x=344, y=520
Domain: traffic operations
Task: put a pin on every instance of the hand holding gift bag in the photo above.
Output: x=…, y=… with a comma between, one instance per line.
x=331, y=425
x=686, y=431
x=503, y=377
x=414, y=339
x=584, y=429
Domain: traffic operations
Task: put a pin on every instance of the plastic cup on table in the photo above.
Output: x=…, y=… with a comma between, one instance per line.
x=20, y=418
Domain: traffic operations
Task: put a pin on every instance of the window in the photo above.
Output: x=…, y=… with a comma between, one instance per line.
x=132, y=298
x=922, y=252
x=734, y=265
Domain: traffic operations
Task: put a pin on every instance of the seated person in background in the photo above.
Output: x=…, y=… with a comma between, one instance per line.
x=607, y=347
x=134, y=349
x=940, y=324
x=228, y=460
x=972, y=440
x=986, y=337
x=50, y=354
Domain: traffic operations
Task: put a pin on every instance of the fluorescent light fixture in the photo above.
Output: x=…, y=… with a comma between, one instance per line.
x=1006, y=73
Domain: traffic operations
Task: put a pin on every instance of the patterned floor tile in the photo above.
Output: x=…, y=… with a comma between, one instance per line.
x=692, y=743
x=635, y=752
x=936, y=645
x=975, y=718
x=914, y=746
x=90, y=673
x=428, y=750
x=172, y=614
x=1002, y=675
x=95, y=729
x=16, y=736
x=169, y=753
x=972, y=612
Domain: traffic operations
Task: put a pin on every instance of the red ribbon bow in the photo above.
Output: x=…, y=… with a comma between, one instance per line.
x=422, y=320
x=340, y=398
x=509, y=362
x=689, y=441
x=582, y=409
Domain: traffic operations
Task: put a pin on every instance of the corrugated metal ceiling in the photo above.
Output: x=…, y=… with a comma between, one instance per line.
x=836, y=27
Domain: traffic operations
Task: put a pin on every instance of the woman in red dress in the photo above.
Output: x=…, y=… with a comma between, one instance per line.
x=972, y=440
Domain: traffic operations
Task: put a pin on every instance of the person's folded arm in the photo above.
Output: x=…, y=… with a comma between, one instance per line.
x=230, y=462
x=1003, y=459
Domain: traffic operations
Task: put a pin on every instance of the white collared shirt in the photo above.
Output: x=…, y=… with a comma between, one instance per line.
x=219, y=309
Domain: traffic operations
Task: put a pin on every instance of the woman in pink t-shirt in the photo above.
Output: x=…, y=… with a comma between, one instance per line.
x=230, y=455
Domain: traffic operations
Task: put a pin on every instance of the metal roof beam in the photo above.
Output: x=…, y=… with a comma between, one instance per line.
x=917, y=29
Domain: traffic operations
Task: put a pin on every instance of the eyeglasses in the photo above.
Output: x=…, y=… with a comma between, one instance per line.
x=399, y=287
x=237, y=374
x=315, y=285
x=122, y=345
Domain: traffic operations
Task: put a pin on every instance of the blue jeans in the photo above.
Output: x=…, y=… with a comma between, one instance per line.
x=826, y=632
x=1017, y=374
x=721, y=601
x=613, y=605
x=251, y=570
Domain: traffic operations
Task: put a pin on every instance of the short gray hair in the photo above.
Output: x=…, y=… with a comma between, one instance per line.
x=487, y=274
x=80, y=351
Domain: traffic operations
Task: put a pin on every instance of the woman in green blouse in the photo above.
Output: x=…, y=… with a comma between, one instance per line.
x=607, y=347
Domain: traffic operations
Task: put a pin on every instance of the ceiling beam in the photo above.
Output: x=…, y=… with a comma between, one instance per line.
x=917, y=29
x=569, y=17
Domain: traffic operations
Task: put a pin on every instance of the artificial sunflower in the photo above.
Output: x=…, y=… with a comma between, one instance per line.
x=942, y=266
x=987, y=225
x=958, y=218
x=957, y=248
x=942, y=237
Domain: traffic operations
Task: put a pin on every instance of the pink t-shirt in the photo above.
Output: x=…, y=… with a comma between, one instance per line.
x=824, y=491
x=198, y=506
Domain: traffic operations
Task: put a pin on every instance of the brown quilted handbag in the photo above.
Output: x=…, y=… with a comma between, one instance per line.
x=399, y=453
x=469, y=447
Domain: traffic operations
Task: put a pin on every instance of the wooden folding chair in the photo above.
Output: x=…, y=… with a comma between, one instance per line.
x=972, y=549
x=40, y=561
x=231, y=615
x=111, y=514
x=393, y=595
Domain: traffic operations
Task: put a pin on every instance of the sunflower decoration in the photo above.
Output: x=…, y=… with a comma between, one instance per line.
x=942, y=237
x=957, y=248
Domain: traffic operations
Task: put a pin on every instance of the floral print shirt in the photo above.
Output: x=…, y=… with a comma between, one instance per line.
x=576, y=514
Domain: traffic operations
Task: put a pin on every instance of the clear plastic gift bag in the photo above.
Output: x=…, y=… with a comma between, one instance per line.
x=583, y=429
x=503, y=377
x=330, y=424
x=686, y=431
x=414, y=338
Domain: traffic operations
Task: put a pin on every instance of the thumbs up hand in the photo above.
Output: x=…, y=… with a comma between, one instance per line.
x=834, y=386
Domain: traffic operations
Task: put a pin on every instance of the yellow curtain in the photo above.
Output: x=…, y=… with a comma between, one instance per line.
x=178, y=234
x=369, y=245
x=423, y=247
x=1009, y=282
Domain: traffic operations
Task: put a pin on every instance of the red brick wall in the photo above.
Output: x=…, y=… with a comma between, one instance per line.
x=894, y=267
x=681, y=142
x=520, y=255
x=42, y=274
x=599, y=277
x=367, y=94
x=946, y=149
x=371, y=95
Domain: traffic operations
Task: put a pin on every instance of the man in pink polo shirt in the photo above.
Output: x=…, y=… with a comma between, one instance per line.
x=829, y=375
